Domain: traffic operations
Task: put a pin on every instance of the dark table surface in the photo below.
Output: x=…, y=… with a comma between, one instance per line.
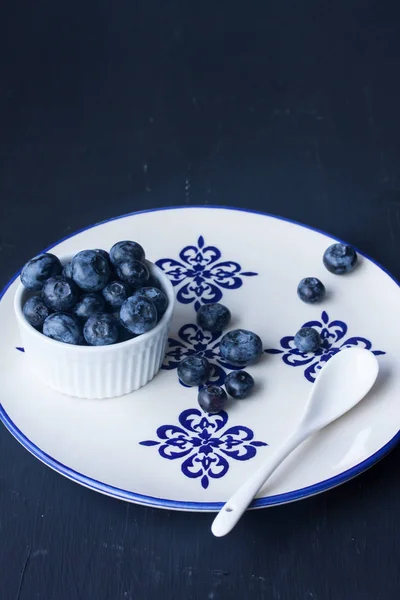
x=290, y=107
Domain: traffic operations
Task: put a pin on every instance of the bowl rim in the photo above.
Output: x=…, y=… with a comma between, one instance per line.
x=167, y=287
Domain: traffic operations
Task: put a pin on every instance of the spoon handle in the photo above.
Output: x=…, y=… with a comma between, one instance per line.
x=231, y=512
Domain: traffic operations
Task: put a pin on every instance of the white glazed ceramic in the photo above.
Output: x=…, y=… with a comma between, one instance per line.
x=101, y=371
x=154, y=446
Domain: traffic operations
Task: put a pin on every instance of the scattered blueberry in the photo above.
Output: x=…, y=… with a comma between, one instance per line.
x=133, y=272
x=212, y=398
x=60, y=294
x=307, y=340
x=157, y=296
x=39, y=269
x=63, y=328
x=240, y=347
x=88, y=305
x=90, y=270
x=138, y=315
x=213, y=317
x=116, y=292
x=101, y=329
x=126, y=250
x=194, y=370
x=340, y=259
x=311, y=290
x=35, y=311
x=239, y=384
x=67, y=270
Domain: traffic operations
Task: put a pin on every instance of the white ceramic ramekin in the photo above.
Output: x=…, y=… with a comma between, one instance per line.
x=96, y=371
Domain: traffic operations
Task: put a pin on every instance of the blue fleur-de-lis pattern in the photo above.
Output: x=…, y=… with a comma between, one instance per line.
x=201, y=275
x=204, y=444
x=334, y=339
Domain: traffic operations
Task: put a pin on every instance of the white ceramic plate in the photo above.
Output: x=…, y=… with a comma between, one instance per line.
x=154, y=446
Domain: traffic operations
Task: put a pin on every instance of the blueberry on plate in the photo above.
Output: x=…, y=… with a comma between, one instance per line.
x=101, y=329
x=63, y=328
x=311, y=290
x=89, y=304
x=116, y=292
x=91, y=271
x=60, y=294
x=239, y=384
x=340, y=259
x=138, y=315
x=307, y=340
x=133, y=272
x=67, y=270
x=212, y=398
x=39, y=269
x=157, y=296
x=35, y=311
x=194, y=370
x=126, y=250
x=213, y=317
x=240, y=347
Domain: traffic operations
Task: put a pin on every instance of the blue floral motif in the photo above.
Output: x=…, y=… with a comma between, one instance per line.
x=200, y=274
x=205, y=444
x=194, y=341
x=332, y=335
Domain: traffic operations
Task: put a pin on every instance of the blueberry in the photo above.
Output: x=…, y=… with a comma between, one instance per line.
x=311, y=290
x=138, y=315
x=103, y=253
x=89, y=304
x=213, y=317
x=194, y=370
x=38, y=270
x=239, y=384
x=133, y=272
x=35, y=311
x=126, y=250
x=240, y=347
x=91, y=270
x=212, y=398
x=67, y=270
x=101, y=329
x=116, y=292
x=307, y=340
x=157, y=296
x=63, y=328
x=340, y=259
x=60, y=294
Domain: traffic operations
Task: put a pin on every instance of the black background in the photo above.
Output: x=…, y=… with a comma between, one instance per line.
x=290, y=107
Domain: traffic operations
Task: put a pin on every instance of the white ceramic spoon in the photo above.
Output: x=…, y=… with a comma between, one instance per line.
x=345, y=379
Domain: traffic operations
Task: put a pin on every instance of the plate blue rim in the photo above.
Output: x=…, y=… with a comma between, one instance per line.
x=186, y=505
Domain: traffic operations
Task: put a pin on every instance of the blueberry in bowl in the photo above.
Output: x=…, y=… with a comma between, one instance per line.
x=91, y=270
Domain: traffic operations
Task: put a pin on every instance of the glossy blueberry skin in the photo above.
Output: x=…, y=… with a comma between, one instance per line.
x=239, y=384
x=157, y=296
x=89, y=304
x=63, y=328
x=101, y=329
x=307, y=340
x=39, y=269
x=60, y=294
x=311, y=290
x=194, y=370
x=138, y=315
x=133, y=272
x=116, y=292
x=35, y=311
x=91, y=271
x=213, y=317
x=340, y=259
x=241, y=347
x=67, y=270
x=212, y=398
x=126, y=250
